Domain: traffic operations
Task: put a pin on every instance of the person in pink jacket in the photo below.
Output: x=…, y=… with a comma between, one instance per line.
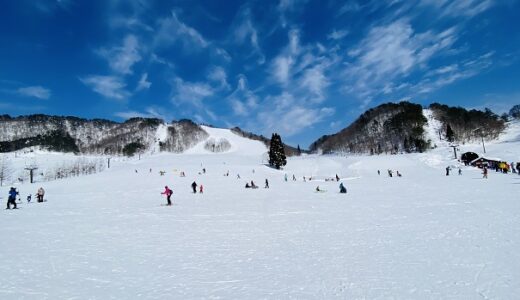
x=168, y=194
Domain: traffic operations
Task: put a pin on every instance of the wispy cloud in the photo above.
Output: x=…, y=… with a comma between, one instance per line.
x=391, y=52
x=150, y=112
x=243, y=101
x=289, y=117
x=337, y=34
x=111, y=87
x=122, y=58
x=143, y=83
x=246, y=33
x=218, y=74
x=34, y=91
x=191, y=92
x=468, y=8
x=172, y=30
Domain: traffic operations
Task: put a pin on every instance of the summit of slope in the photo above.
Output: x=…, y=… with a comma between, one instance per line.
x=239, y=145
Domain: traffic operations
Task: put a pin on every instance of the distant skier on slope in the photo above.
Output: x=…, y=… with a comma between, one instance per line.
x=342, y=188
x=168, y=194
x=39, y=194
x=485, y=172
x=201, y=189
x=448, y=171
x=194, y=187
x=266, y=184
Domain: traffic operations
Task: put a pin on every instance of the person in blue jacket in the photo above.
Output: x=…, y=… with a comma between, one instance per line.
x=12, y=198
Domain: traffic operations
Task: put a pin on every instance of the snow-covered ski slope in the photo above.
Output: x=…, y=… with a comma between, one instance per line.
x=421, y=236
x=239, y=145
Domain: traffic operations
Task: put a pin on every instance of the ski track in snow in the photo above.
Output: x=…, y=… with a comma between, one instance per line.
x=421, y=236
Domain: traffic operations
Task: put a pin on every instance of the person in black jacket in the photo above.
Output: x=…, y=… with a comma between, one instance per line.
x=194, y=187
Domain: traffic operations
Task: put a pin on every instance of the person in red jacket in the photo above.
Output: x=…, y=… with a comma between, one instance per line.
x=168, y=194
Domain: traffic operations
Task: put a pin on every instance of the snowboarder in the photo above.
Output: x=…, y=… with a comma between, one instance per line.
x=318, y=189
x=40, y=194
x=485, y=172
x=398, y=174
x=12, y=198
x=168, y=194
x=337, y=177
x=201, y=189
x=460, y=171
x=253, y=185
x=194, y=187
x=342, y=188
x=266, y=184
x=247, y=185
x=448, y=171
x=204, y=170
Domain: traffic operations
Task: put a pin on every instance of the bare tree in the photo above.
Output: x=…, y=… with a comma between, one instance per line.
x=6, y=169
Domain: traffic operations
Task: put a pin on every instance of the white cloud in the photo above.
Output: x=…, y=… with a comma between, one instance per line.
x=122, y=58
x=337, y=34
x=171, y=30
x=446, y=75
x=108, y=86
x=315, y=81
x=191, y=92
x=468, y=8
x=34, y=91
x=243, y=101
x=143, y=83
x=391, y=52
x=288, y=118
x=245, y=32
x=218, y=74
x=150, y=112
x=281, y=68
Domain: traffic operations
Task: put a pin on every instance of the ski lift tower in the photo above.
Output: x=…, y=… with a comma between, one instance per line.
x=482, y=137
x=455, y=150
x=31, y=166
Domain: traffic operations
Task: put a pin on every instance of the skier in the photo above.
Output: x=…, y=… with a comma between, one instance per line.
x=266, y=184
x=238, y=176
x=485, y=172
x=293, y=177
x=448, y=171
x=342, y=188
x=378, y=172
x=201, y=189
x=40, y=194
x=285, y=177
x=337, y=177
x=253, y=185
x=390, y=173
x=194, y=187
x=168, y=194
x=29, y=198
x=460, y=171
x=12, y=198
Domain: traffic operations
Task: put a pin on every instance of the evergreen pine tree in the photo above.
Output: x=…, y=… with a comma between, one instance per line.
x=449, y=133
x=277, y=157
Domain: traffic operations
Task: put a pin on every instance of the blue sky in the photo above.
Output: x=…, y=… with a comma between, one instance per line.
x=302, y=68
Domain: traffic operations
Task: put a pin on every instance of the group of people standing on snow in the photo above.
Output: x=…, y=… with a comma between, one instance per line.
x=11, y=199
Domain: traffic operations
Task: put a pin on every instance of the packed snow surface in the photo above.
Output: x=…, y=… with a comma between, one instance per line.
x=421, y=236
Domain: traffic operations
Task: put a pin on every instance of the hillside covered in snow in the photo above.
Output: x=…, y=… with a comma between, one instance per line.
x=422, y=235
